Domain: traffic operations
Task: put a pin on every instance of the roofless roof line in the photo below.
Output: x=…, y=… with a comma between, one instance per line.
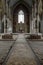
x=12, y=2
x=23, y=3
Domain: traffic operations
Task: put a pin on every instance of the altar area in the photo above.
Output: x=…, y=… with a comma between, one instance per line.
x=13, y=36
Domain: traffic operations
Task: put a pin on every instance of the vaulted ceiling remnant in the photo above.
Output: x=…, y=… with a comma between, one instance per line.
x=12, y=2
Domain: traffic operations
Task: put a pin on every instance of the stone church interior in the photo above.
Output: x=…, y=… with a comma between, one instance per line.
x=21, y=32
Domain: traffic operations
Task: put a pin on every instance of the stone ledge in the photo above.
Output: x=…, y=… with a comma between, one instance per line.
x=7, y=36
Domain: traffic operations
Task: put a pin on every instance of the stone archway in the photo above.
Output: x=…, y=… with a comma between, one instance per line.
x=19, y=7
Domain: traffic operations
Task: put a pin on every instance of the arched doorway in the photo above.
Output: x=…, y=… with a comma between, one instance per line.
x=21, y=9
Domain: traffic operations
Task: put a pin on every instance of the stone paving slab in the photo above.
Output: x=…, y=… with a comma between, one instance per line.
x=22, y=53
x=37, y=46
x=4, y=48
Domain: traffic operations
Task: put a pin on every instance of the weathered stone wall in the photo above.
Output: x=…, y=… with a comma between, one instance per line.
x=5, y=15
x=36, y=11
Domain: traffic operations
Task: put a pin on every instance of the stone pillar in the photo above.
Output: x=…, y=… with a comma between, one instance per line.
x=39, y=13
x=0, y=23
x=32, y=21
x=38, y=20
x=0, y=16
x=37, y=17
x=5, y=16
x=41, y=23
x=5, y=27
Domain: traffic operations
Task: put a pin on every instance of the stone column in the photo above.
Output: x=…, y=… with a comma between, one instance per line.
x=0, y=23
x=5, y=30
x=32, y=21
x=0, y=16
x=37, y=17
x=5, y=17
x=38, y=20
x=39, y=13
x=4, y=14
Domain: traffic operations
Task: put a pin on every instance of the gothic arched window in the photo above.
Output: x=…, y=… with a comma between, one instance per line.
x=21, y=16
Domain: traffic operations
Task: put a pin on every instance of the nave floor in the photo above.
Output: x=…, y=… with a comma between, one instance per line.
x=20, y=54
